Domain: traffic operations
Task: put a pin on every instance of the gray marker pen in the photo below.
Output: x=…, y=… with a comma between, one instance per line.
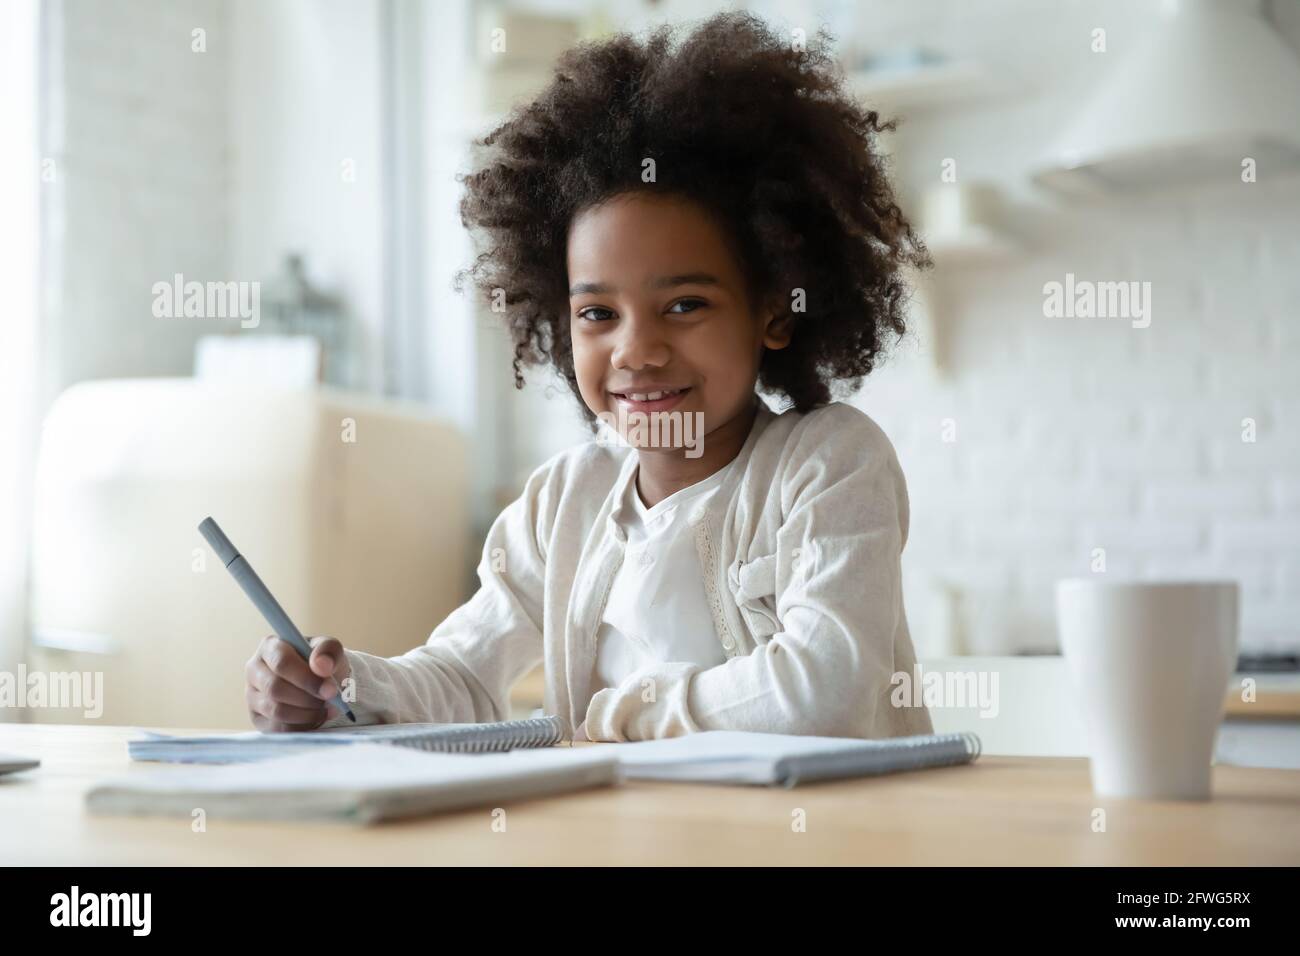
x=247, y=578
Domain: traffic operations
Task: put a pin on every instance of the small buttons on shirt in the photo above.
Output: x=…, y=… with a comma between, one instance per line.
x=647, y=559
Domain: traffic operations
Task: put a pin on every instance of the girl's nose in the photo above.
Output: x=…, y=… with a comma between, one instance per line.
x=641, y=343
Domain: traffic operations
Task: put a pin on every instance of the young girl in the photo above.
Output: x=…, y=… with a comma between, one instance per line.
x=674, y=225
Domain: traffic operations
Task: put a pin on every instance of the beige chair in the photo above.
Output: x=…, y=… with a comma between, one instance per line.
x=353, y=510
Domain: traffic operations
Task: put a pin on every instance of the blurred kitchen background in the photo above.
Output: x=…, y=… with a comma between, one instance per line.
x=357, y=443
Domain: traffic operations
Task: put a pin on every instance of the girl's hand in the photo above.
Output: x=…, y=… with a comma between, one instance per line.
x=285, y=692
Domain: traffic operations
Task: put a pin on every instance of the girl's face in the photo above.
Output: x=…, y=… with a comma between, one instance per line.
x=658, y=304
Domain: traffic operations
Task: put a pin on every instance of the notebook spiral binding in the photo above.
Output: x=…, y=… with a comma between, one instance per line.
x=501, y=736
x=940, y=750
x=890, y=755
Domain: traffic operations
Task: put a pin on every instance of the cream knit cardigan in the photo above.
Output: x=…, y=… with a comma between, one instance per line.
x=800, y=555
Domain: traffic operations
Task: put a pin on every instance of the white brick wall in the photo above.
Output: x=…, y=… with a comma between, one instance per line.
x=1075, y=434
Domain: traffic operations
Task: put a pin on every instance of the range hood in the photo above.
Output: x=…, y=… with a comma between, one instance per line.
x=1211, y=85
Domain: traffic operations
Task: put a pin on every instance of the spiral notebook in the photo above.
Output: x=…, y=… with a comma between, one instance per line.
x=365, y=783
x=438, y=738
x=721, y=756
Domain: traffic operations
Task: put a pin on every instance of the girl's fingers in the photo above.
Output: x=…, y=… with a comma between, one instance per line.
x=286, y=664
x=277, y=689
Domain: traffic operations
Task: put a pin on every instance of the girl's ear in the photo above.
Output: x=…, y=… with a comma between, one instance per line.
x=778, y=329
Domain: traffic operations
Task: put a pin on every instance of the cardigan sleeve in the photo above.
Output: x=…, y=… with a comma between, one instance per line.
x=828, y=668
x=464, y=672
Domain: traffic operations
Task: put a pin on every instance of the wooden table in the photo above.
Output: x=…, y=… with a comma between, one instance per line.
x=1003, y=810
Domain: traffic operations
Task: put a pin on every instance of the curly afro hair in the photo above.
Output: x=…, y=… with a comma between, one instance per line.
x=738, y=119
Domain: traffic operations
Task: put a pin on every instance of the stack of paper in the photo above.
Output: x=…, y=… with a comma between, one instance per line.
x=361, y=783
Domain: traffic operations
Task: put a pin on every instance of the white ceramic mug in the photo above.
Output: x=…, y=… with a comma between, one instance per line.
x=1150, y=665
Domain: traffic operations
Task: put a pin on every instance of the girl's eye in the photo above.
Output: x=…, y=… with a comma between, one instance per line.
x=689, y=305
x=591, y=316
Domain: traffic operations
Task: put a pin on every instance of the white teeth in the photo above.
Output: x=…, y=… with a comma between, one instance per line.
x=651, y=396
